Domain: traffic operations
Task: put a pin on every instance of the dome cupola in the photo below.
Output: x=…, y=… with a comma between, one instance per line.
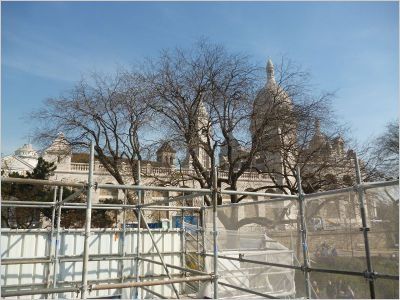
x=270, y=72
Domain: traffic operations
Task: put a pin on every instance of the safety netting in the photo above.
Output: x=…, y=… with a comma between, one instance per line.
x=254, y=240
x=336, y=241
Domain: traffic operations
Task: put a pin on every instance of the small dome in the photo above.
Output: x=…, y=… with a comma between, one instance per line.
x=26, y=151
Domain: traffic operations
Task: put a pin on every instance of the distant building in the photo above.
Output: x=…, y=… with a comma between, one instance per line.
x=22, y=161
x=74, y=167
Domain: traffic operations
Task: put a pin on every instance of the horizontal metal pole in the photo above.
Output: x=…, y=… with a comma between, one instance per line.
x=99, y=257
x=153, y=188
x=24, y=261
x=246, y=290
x=250, y=203
x=40, y=291
x=167, y=208
x=95, y=206
x=328, y=193
x=150, y=283
x=92, y=281
x=26, y=205
x=113, y=230
x=385, y=276
x=353, y=273
x=370, y=185
x=119, y=206
x=41, y=182
x=245, y=193
x=333, y=271
x=257, y=262
x=27, y=202
x=365, y=186
x=174, y=267
x=178, y=198
x=174, y=208
x=133, y=207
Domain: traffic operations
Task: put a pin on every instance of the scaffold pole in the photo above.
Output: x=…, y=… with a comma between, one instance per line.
x=364, y=228
x=88, y=222
x=303, y=231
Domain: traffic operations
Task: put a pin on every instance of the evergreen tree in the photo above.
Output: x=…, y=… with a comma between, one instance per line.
x=26, y=217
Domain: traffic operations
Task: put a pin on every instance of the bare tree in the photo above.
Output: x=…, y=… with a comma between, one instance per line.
x=111, y=111
x=210, y=101
x=197, y=91
x=206, y=95
x=381, y=155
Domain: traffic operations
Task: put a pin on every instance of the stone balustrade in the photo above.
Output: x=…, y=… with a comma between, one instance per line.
x=149, y=170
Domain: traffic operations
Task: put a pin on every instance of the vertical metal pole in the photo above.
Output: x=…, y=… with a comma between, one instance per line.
x=51, y=248
x=303, y=231
x=203, y=236
x=138, y=235
x=350, y=230
x=58, y=241
x=203, y=230
x=88, y=223
x=215, y=199
x=364, y=229
x=183, y=262
x=198, y=246
x=122, y=265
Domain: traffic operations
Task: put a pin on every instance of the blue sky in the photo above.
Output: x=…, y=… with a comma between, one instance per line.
x=349, y=47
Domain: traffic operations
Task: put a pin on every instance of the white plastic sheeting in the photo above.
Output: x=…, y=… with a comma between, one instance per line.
x=36, y=244
x=250, y=241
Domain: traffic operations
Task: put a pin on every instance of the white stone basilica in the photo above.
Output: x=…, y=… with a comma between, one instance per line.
x=74, y=167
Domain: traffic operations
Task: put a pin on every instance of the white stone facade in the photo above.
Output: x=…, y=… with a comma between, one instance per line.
x=22, y=161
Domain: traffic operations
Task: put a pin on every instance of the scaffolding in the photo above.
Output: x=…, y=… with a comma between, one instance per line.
x=249, y=249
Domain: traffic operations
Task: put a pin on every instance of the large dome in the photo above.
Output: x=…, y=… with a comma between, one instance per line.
x=271, y=100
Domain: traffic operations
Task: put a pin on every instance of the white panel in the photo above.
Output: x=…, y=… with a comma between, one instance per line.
x=36, y=243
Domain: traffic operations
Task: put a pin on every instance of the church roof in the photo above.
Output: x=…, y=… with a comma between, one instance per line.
x=59, y=145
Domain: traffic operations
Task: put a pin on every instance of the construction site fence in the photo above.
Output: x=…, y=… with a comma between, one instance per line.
x=331, y=243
